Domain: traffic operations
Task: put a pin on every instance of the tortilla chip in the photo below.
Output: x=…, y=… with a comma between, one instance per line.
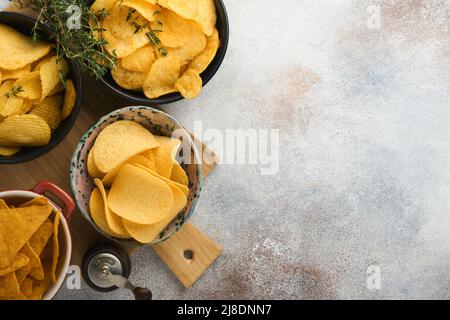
x=55, y=247
x=19, y=261
x=17, y=226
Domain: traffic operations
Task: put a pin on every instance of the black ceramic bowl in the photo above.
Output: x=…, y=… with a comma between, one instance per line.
x=24, y=24
x=139, y=97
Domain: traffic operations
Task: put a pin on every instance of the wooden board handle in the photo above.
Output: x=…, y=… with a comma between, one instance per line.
x=188, y=254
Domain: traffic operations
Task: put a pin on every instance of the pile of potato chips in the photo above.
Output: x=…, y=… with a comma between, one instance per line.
x=32, y=97
x=162, y=46
x=140, y=187
x=29, y=249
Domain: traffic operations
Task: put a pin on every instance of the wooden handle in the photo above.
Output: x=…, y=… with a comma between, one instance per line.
x=188, y=254
x=142, y=293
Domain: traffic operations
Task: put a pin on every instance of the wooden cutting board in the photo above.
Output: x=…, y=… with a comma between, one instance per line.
x=187, y=254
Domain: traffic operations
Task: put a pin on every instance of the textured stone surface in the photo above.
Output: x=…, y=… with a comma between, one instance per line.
x=365, y=156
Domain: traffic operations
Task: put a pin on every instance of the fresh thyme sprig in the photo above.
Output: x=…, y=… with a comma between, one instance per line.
x=151, y=34
x=80, y=44
x=14, y=91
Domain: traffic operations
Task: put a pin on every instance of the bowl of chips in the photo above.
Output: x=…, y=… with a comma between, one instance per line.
x=166, y=50
x=136, y=176
x=35, y=242
x=40, y=94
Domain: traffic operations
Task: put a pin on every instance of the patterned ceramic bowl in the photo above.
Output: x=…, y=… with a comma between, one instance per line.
x=158, y=123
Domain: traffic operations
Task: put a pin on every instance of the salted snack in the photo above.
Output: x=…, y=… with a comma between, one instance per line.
x=29, y=249
x=34, y=94
x=161, y=46
x=139, y=187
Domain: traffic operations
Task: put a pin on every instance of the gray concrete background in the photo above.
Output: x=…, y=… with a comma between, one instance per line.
x=364, y=156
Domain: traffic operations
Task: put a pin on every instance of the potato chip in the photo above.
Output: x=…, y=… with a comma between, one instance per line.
x=9, y=285
x=10, y=103
x=127, y=79
x=18, y=50
x=69, y=100
x=195, y=45
x=151, y=157
x=179, y=175
x=49, y=110
x=19, y=261
x=183, y=188
x=9, y=151
x=1, y=77
x=97, y=208
x=17, y=225
x=165, y=155
x=120, y=141
x=139, y=197
x=100, y=5
x=92, y=167
x=59, y=88
x=33, y=268
x=140, y=159
x=201, y=11
x=50, y=73
x=55, y=247
x=149, y=233
x=26, y=106
x=113, y=220
x=25, y=130
x=139, y=61
x=143, y=7
x=162, y=77
x=16, y=74
x=175, y=30
x=203, y=60
x=26, y=287
x=122, y=33
x=190, y=84
x=31, y=86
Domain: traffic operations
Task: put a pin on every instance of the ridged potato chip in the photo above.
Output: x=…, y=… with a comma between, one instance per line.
x=69, y=100
x=143, y=7
x=195, y=45
x=59, y=88
x=175, y=30
x=50, y=73
x=201, y=11
x=162, y=77
x=114, y=221
x=49, y=110
x=179, y=175
x=18, y=50
x=15, y=74
x=119, y=141
x=9, y=151
x=25, y=130
x=121, y=31
x=149, y=233
x=10, y=103
x=139, y=197
x=31, y=85
x=139, y=61
x=127, y=79
x=203, y=60
x=190, y=84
